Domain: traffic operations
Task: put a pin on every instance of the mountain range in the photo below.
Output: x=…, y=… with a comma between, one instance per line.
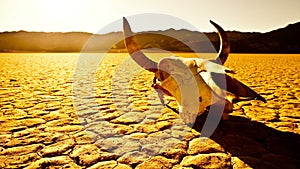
x=283, y=40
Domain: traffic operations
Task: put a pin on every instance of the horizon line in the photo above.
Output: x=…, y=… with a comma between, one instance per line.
x=28, y=31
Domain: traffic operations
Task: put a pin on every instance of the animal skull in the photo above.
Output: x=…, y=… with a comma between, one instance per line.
x=181, y=77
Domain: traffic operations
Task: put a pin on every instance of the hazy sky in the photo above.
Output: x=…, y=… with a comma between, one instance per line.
x=92, y=15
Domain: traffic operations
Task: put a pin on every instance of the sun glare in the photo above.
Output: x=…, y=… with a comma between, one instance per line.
x=91, y=15
x=55, y=9
x=58, y=12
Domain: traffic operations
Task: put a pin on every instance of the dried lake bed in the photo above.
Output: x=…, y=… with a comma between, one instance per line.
x=56, y=113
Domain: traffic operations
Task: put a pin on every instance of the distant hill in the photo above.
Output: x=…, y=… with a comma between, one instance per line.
x=51, y=42
x=283, y=40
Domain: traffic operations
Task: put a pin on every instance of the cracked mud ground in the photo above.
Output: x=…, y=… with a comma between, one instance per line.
x=123, y=125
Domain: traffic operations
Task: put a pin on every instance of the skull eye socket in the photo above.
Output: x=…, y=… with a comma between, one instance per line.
x=200, y=99
x=162, y=75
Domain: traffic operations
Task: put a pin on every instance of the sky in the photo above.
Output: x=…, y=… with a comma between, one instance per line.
x=93, y=15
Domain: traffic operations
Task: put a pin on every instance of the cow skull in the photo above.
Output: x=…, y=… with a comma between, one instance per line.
x=195, y=83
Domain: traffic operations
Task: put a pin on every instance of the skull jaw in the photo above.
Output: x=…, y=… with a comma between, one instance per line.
x=226, y=106
x=190, y=117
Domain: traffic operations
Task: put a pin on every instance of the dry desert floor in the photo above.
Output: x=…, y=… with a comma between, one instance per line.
x=72, y=111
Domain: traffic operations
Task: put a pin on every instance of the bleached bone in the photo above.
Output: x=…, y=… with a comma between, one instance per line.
x=195, y=83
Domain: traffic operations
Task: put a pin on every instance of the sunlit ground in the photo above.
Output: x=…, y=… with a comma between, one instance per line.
x=39, y=122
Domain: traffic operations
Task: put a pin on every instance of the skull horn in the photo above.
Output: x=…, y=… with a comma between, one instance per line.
x=224, y=45
x=132, y=48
